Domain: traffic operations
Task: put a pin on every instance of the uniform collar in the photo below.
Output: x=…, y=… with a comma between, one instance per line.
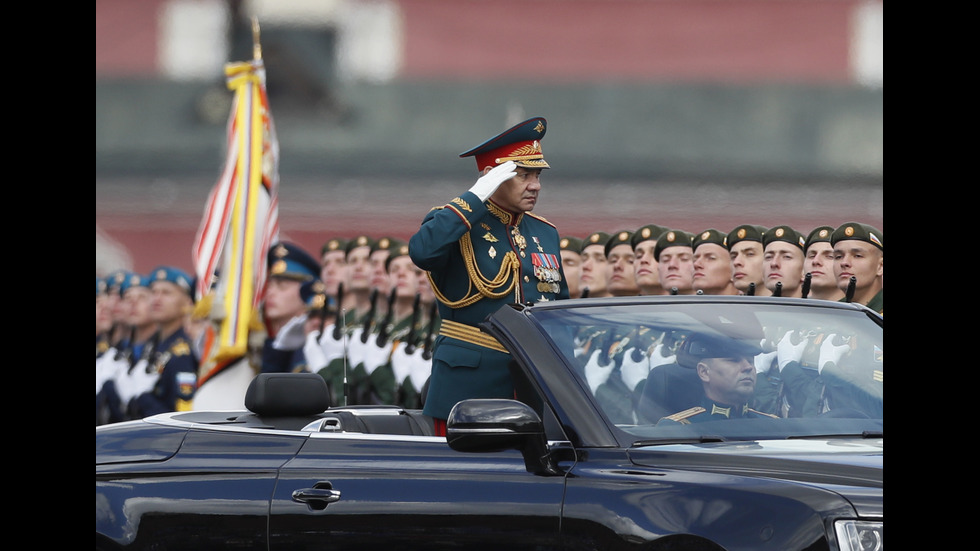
x=726, y=410
x=507, y=217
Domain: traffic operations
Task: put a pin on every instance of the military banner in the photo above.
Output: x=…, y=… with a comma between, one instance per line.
x=241, y=217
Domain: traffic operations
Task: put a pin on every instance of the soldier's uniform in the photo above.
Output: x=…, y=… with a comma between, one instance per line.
x=711, y=411
x=101, y=337
x=868, y=234
x=109, y=406
x=480, y=257
x=172, y=359
x=369, y=378
x=288, y=261
x=856, y=382
x=697, y=348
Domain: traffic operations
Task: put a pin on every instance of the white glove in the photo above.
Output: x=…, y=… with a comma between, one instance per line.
x=401, y=363
x=658, y=357
x=107, y=368
x=291, y=336
x=332, y=348
x=830, y=352
x=141, y=380
x=489, y=182
x=596, y=374
x=420, y=369
x=136, y=381
x=375, y=356
x=316, y=358
x=763, y=361
x=789, y=352
x=356, y=350
x=633, y=371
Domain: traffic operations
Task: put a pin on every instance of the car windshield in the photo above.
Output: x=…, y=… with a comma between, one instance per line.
x=725, y=370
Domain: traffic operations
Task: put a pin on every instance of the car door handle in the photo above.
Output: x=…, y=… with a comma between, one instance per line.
x=317, y=497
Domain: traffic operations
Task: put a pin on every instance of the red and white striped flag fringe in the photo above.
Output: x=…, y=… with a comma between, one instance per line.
x=241, y=218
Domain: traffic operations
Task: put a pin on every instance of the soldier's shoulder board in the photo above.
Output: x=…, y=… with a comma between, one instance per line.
x=682, y=416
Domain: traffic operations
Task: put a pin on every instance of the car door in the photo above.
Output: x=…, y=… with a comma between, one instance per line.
x=349, y=491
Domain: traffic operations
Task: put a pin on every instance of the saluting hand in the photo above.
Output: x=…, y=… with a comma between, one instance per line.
x=489, y=182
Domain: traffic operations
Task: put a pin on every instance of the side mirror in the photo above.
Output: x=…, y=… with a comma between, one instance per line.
x=494, y=425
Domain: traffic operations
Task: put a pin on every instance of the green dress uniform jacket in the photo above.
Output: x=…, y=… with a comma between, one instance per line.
x=480, y=257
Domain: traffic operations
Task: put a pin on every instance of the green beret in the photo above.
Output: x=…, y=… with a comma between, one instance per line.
x=359, y=241
x=783, y=233
x=709, y=236
x=401, y=249
x=672, y=238
x=334, y=244
x=820, y=234
x=569, y=243
x=595, y=238
x=745, y=232
x=618, y=238
x=646, y=233
x=385, y=244
x=860, y=232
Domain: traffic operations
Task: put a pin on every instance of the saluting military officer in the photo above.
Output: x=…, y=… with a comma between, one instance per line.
x=484, y=249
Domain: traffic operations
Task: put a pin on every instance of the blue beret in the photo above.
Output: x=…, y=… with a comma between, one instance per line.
x=176, y=276
x=290, y=261
x=134, y=280
x=115, y=280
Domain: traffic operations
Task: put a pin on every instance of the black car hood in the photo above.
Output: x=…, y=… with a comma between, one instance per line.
x=851, y=468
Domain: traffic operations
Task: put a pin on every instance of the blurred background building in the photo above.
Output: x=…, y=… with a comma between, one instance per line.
x=690, y=114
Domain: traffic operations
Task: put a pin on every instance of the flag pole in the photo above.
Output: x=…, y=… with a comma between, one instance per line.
x=256, y=43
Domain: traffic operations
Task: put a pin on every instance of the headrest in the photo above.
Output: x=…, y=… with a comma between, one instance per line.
x=287, y=394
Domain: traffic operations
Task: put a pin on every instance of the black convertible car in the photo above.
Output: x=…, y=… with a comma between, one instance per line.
x=635, y=424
